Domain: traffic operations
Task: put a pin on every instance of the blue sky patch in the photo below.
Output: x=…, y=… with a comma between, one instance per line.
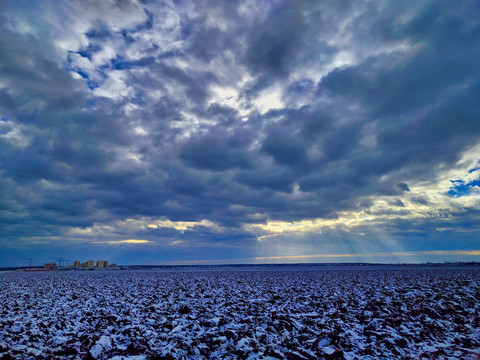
x=459, y=188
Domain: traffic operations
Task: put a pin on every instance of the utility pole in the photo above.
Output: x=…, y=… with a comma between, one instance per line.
x=29, y=259
x=60, y=260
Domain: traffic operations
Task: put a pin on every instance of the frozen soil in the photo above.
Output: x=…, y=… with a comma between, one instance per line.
x=346, y=313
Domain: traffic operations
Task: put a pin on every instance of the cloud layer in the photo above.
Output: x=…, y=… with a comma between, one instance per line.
x=148, y=131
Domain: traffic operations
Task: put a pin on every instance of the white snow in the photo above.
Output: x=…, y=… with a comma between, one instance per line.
x=261, y=313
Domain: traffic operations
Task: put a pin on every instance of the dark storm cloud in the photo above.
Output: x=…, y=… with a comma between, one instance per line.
x=214, y=154
x=284, y=149
x=403, y=186
x=273, y=47
x=6, y=100
x=423, y=106
x=159, y=111
x=278, y=179
x=205, y=42
x=341, y=142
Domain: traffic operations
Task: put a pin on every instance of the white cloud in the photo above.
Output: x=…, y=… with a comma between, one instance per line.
x=269, y=99
x=114, y=87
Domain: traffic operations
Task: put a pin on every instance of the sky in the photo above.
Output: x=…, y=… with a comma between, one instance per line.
x=214, y=132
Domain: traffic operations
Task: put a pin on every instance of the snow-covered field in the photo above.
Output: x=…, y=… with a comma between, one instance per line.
x=285, y=313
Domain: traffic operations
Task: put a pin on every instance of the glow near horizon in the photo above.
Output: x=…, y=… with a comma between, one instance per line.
x=338, y=256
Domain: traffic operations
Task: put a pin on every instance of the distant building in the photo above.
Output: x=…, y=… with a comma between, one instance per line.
x=49, y=266
x=102, y=264
x=88, y=265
